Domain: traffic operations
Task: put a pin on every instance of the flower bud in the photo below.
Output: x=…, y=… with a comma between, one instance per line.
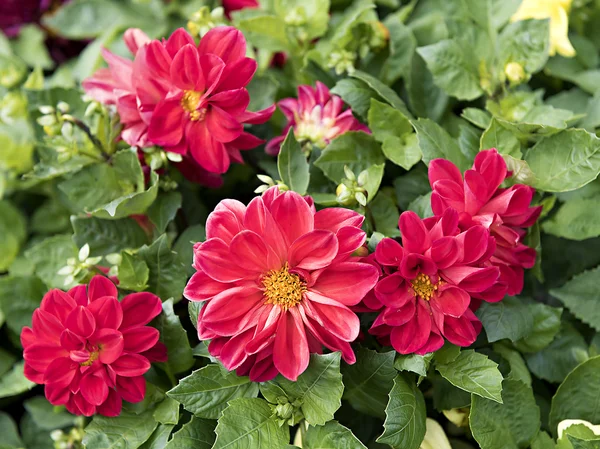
x=515, y=73
x=435, y=437
x=458, y=416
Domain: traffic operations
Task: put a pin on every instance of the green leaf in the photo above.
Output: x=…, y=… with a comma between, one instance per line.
x=293, y=165
x=509, y=318
x=207, y=391
x=558, y=170
x=511, y=424
x=133, y=273
x=546, y=324
x=197, y=434
x=580, y=295
x=426, y=98
x=385, y=214
x=126, y=431
x=184, y=245
x=319, y=388
x=33, y=436
x=14, y=382
x=402, y=47
x=354, y=149
x=577, y=219
x=405, y=416
x=30, y=47
x=167, y=412
x=248, y=424
x=49, y=256
x=578, y=397
x=475, y=373
x=411, y=185
x=107, y=236
x=369, y=380
x=357, y=94
x=164, y=209
x=386, y=121
x=422, y=206
x=330, y=436
x=453, y=69
x=158, y=439
x=13, y=230
x=7, y=360
x=167, y=272
x=19, y=297
x=46, y=415
x=477, y=117
x=385, y=92
x=497, y=136
x=265, y=31
x=525, y=42
x=446, y=396
x=175, y=338
x=415, y=363
x=555, y=361
x=543, y=441
x=9, y=432
x=518, y=368
x=435, y=142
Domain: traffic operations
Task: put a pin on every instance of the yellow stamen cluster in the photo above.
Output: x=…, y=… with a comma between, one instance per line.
x=190, y=102
x=93, y=357
x=283, y=288
x=423, y=287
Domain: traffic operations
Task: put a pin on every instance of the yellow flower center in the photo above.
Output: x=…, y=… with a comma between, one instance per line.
x=283, y=288
x=423, y=287
x=190, y=102
x=93, y=357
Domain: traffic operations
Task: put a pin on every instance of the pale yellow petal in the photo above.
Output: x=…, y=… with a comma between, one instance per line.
x=559, y=33
x=435, y=437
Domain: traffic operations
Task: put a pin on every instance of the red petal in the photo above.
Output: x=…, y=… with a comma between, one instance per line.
x=222, y=126
x=225, y=42
x=131, y=389
x=167, y=123
x=415, y=238
x=314, y=250
x=334, y=218
x=290, y=350
x=39, y=355
x=46, y=326
x=58, y=303
x=208, y=152
x=293, y=215
x=107, y=312
x=140, y=339
x=111, y=345
x=81, y=321
x=139, y=309
x=185, y=69
x=112, y=406
x=214, y=258
x=202, y=287
x=60, y=372
x=131, y=365
x=334, y=283
x=179, y=38
x=100, y=286
x=93, y=389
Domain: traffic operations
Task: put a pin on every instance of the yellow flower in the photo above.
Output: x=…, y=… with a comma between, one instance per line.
x=435, y=437
x=558, y=13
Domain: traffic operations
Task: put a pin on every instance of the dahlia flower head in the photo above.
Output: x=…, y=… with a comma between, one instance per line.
x=480, y=200
x=190, y=99
x=435, y=272
x=235, y=5
x=90, y=350
x=316, y=116
x=277, y=280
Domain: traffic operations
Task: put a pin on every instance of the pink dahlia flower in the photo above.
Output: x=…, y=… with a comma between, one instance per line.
x=90, y=350
x=191, y=99
x=480, y=201
x=278, y=281
x=316, y=116
x=437, y=270
x=235, y=5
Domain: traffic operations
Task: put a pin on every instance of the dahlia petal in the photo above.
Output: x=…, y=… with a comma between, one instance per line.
x=134, y=38
x=139, y=309
x=250, y=253
x=327, y=339
x=233, y=353
x=222, y=126
x=154, y=59
x=120, y=69
x=132, y=389
x=232, y=303
x=107, y=311
x=57, y=395
x=435, y=342
x=60, y=371
x=202, y=287
x=101, y=286
x=332, y=316
x=448, y=194
x=112, y=406
x=225, y=42
x=474, y=243
x=246, y=141
x=350, y=239
x=234, y=101
x=157, y=353
x=177, y=40
x=166, y=126
x=258, y=117
x=415, y=238
x=259, y=219
x=265, y=332
x=313, y=251
x=492, y=167
x=476, y=191
x=306, y=98
x=263, y=370
x=443, y=169
x=214, y=258
x=71, y=341
x=111, y=344
x=413, y=264
x=226, y=220
x=81, y=321
x=58, y=303
x=414, y=334
x=462, y=331
x=393, y=291
x=334, y=218
x=445, y=252
x=398, y=317
x=389, y=252
x=290, y=350
x=451, y=301
x=208, y=152
x=130, y=365
x=185, y=69
x=333, y=282
x=293, y=215
x=471, y=279
x=237, y=74
x=46, y=326
x=93, y=389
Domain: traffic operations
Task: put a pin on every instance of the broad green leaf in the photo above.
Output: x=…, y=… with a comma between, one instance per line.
x=426, y=98
x=292, y=164
x=468, y=140
x=13, y=229
x=167, y=412
x=319, y=388
x=415, y=363
x=475, y=373
x=19, y=297
x=446, y=396
x=402, y=47
x=385, y=214
x=546, y=324
x=164, y=209
x=555, y=361
x=477, y=117
x=107, y=236
x=265, y=31
x=173, y=335
x=410, y=186
x=577, y=219
x=422, y=206
x=197, y=434
x=447, y=353
x=30, y=46
x=159, y=438
x=167, y=273
x=580, y=295
x=435, y=142
x=184, y=245
x=543, y=441
x=405, y=416
x=578, y=397
x=133, y=273
x=525, y=42
x=453, y=69
x=354, y=149
x=52, y=217
x=509, y=318
x=386, y=121
x=7, y=360
x=512, y=424
x=9, y=432
x=46, y=415
x=14, y=382
x=404, y=151
x=33, y=436
x=330, y=436
x=497, y=136
x=126, y=431
x=207, y=391
x=49, y=256
x=385, y=92
x=368, y=382
x=357, y=94
x=518, y=368
x=248, y=424
x=560, y=170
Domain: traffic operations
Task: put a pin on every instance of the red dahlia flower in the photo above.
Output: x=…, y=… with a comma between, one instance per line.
x=235, y=5
x=437, y=270
x=189, y=99
x=316, y=116
x=480, y=201
x=90, y=350
x=278, y=280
